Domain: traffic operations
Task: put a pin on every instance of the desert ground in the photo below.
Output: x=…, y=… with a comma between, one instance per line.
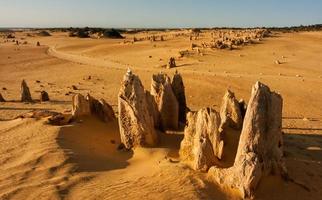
x=81, y=160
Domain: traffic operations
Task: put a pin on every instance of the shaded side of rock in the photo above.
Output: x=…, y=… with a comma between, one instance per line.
x=202, y=146
x=1, y=98
x=135, y=121
x=101, y=109
x=230, y=113
x=242, y=107
x=179, y=92
x=153, y=108
x=260, y=149
x=25, y=92
x=166, y=101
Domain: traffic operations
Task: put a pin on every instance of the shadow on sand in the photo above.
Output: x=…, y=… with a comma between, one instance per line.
x=92, y=146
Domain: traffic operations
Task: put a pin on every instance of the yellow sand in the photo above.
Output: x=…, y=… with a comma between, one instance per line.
x=80, y=161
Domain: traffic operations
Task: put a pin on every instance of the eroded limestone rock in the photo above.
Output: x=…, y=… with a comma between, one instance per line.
x=260, y=149
x=25, y=93
x=44, y=96
x=202, y=145
x=80, y=107
x=230, y=113
x=135, y=120
x=153, y=108
x=166, y=102
x=179, y=92
x=172, y=63
x=100, y=109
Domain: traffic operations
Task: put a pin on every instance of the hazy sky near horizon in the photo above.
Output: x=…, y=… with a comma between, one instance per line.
x=158, y=13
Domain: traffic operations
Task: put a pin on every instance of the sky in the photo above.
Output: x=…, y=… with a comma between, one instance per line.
x=159, y=13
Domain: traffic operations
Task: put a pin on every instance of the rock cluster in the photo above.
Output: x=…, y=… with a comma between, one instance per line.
x=260, y=149
x=228, y=39
x=89, y=106
x=257, y=156
x=141, y=112
x=53, y=118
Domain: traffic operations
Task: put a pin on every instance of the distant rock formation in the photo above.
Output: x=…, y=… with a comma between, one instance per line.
x=25, y=93
x=112, y=33
x=135, y=120
x=260, y=149
x=172, y=63
x=44, y=33
x=202, y=145
x=179, y=92
x=230, y=113
x=166, y=102
x=1, y=98
x=44, y=96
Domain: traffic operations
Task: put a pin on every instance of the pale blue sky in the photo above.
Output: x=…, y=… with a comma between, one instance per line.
x=158, y=13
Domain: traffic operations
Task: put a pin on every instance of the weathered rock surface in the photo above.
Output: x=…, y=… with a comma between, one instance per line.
x=101, y=109
x=25, y=93
x=44, y=96
x=153, y=108
x=80, y=107
x=1, y=98
x=90, y=106
x=230, y=113
x=166, y=102
x=135, y=120
x=179, y=92
x=260, y=149
x=202, y=145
